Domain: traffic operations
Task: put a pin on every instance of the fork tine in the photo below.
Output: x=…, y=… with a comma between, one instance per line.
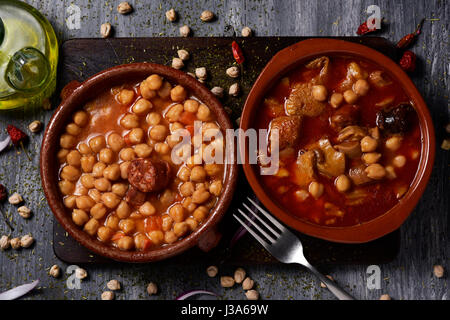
x=253, y=233
x=268, y=216
x=271, y=229
x=261, y=230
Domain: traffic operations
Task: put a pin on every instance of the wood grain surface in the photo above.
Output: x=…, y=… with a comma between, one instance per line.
x=424, y=236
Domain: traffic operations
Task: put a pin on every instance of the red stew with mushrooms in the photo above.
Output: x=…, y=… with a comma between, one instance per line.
x=349, y=141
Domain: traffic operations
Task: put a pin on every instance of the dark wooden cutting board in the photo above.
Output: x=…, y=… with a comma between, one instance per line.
x=82, y=58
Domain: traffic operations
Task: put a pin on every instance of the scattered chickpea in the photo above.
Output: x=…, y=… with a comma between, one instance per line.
x=171, y=15
x=183, y=54
x=248, y=283
x=368, y=144
x=336, y=99
x=81, y=274
x=375, y=171
x=399, y=161
x=15, y=243
x=246, y=32
x=445, y=144
x=4, y=242
x=113, y=285
x=217, y=91
x=105, y=30
x=55, y=271
x=233, y=72
x=350, y=97
x=342, y=183
x=124, y=8
x=177, y=63
x=108, y=295
x=252, y=295
x=316, y=189
x=393, y=143
x=35, y=126
x=207, y=16
x=201, y=73
x=24, y=212
x=361, y=87
x=438, y=271
x=239, y=275
x=234, y=90
x=385, y=297
x=212, y=271
x=226, y=281
x=152, y=288
x=185, y=31
x=15, y=198
x=26, y=241
x=319, y=92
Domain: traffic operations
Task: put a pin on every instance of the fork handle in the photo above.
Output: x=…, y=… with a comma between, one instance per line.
x=331, y=285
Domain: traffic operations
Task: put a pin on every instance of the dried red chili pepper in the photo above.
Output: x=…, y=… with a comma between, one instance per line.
x=409, y=38
x=364, y=29
x=17, y=137
x=408, y=61
x=237, y=53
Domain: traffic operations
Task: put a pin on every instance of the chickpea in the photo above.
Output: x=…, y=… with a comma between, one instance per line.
x=67, y=141
x=350, y=97
x=200, y=196
x=167, y=197
x=192, y=224
x=127, y=154
x=184, y=174
x=156, y=236
x=154, y=81
x=97, y=143
x=70, y=202
x=124, y=169
x=170, y=237
x=316, y=189
x=212, y=169
x=187, y=189
x=390, y=172
x=191, y=105
x=216, y=188
x=84, y=149
x=203, y=113
x=147, y=209
x=125, y=96
x=91, y=226
x=106, y=155
x=167, y=222
x=127, y=225
x=112, y=222
x=194, y=160
x=85, y=202
x=162, y=148
x=141, y=241
x=198, y=174
x=368, y=144
x=73, y=129
x=102, y=184
x=178, y=93
x=399, y=161
x=70, y=173
x=111, y=200
x=175, y=126
x=174, y=113
x=342, y=183
x=142, y=107
x=189, y=205
x=153, y=118
x=79, y=217
x=115, y=142
x=393, y=143
x=143, y=150
x=125, y=243
x=172, y=140
x=62, y=154
x=375, y=171
x=158, y=132
x=145, y=90
x=164, y=91
x=319, y=92
x=177, y=212
x=105, y=234
x=123, y=210
x=361, y=87
x=97, y=170
x=180, y=228
x=87, y=163
x=136, y=136
x=112, y=172
x=81, y=190
x=95, y=195
x=200, y=213
x=336, y=99
x=74, y=158
x=81, y=118
x=130, y=121
x=98, y=211
x=87, y=180
x=371, y=157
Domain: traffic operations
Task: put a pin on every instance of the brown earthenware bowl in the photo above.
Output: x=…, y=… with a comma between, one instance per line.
x=287, y=60
x=75, y=96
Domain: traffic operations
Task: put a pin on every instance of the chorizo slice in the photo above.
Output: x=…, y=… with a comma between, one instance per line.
x=135, y=197
x=149, y=175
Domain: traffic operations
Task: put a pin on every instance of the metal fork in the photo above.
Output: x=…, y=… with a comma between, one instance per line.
x=283, y=244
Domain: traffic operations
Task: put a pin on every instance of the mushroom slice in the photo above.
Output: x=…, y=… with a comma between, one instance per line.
x=385, y=102
x=376, y=78
x=288, y=130
x=322, y=62
x=351, y=149
x=351, y=133
x=304, y=173
x=301, y=101
x=358, y=175
x=344, y=116
x=334, y=161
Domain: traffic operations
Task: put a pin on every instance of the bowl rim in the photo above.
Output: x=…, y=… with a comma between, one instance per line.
x=49, y=166
x=290, y=58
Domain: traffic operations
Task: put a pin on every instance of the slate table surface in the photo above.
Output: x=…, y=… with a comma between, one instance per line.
x=424, y=236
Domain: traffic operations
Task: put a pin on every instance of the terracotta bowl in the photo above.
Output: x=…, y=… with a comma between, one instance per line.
x=75, y=96
x=287, y=60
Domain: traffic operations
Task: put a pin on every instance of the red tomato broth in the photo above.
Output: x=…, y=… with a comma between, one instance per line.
x=379, y=196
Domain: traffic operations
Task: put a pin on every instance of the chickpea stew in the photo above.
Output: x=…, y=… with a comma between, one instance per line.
x=117, y=176
x=349, y=141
